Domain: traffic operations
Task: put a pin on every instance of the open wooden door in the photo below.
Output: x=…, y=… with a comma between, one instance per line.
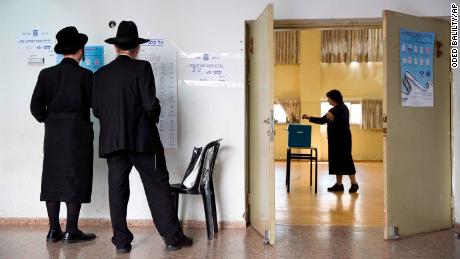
x=417, y=148
x=261, y=125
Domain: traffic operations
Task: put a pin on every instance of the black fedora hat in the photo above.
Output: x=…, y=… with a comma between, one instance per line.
x=69, y=40
x=127, y=36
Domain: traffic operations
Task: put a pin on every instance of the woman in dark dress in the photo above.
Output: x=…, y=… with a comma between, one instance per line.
x=339, y=141
x=61, y=99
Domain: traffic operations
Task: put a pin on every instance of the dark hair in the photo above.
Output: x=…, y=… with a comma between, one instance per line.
x=335, y=96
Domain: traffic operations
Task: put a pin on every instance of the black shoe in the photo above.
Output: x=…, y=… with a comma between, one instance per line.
x=185, y=242
x=124, y=250
x=54, y=236
x=336, y=188
x=354, y=188
x=78, y=237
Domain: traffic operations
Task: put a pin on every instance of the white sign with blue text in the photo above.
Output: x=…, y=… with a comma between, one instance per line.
x=163, y=58
x=207, y=69
x=37, y=46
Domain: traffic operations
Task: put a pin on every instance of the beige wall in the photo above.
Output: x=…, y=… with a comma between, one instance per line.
x=287, y=78
x=287, y=82
x=286, y=88
x=312, y=79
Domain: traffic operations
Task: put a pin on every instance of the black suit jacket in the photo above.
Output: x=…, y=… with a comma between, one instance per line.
x=73, y=83
x=124, y=100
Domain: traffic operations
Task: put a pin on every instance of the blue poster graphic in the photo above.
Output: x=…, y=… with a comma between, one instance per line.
x=94, y=58
x=416, y=55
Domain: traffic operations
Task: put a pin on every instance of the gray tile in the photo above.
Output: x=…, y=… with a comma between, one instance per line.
x=28, y=242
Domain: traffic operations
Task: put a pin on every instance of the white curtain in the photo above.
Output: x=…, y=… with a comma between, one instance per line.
x=372, y=114
x=287, y=47
x=351, y=45
x=292, y=110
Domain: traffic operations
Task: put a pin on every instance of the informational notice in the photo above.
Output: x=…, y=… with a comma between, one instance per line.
x=94, y=58
x=163, y=58
x=36, y=47
x=206, y=69
x=416, y=54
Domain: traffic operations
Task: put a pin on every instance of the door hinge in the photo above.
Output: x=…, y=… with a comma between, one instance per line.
x=249, y=198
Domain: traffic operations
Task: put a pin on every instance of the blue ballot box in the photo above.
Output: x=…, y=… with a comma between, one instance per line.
x=299, y=135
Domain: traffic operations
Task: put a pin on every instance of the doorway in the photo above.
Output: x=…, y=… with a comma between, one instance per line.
x=415, y=152
x=323, y=62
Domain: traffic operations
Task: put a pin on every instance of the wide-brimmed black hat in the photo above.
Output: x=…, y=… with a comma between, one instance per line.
x=69, y=40
x=127, y=36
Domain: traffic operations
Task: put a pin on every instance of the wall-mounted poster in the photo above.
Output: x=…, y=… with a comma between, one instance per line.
x=416, y=54
x=94, y=58
x=37, y=47
x=208, y=69
x=163, y=58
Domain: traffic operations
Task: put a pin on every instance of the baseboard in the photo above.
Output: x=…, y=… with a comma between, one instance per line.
x=325, y=161
x=106, y=222
x=221, y=224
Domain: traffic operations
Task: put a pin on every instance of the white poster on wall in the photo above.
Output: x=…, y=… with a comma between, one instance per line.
x=36, y=47
x=207, y=69
x=163, y=58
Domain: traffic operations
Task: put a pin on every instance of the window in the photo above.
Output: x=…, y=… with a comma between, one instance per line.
x=355, y=113
x=353, y=107
x=279, y=114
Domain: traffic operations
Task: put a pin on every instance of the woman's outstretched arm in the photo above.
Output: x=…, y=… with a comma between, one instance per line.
x=317, y=120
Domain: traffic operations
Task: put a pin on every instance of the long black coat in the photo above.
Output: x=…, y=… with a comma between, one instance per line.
x=61, y=99
x=124, y=100
x=339, y=140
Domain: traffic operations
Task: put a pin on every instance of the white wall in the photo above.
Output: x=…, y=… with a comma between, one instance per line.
x=204, y=113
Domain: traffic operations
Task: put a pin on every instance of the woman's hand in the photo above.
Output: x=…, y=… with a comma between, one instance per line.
x=330, y=116
x=305, y=116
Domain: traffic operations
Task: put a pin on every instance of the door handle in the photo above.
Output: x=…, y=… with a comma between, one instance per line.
x=384, y=129
x=267, y=120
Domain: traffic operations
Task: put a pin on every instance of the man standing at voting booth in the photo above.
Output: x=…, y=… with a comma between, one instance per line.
x=124, y=100
x=61, y=100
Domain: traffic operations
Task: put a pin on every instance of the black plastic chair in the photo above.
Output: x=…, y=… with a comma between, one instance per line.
x=203, y=184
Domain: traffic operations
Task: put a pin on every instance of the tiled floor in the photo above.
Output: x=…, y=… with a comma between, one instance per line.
x=292, y=242
x=328, y=230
